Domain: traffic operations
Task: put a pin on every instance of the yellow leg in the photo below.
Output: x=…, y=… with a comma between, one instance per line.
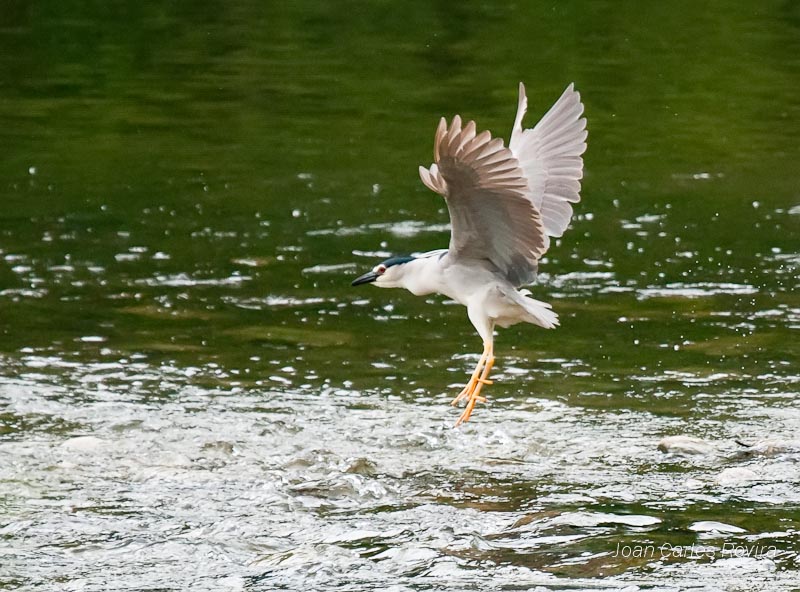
x=473, y=380
x=474, y=396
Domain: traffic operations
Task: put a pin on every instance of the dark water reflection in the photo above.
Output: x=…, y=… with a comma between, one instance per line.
x=193, y=396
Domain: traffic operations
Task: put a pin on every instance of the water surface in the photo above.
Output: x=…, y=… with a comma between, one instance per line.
x=193, y=397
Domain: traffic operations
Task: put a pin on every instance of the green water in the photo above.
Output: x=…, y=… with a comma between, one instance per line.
x=188, y=191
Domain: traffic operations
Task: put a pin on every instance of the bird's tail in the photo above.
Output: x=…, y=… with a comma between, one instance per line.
x=541, y=313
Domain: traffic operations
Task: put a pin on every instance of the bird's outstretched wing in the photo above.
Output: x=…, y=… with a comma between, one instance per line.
x=491, y=214
x=550, y=157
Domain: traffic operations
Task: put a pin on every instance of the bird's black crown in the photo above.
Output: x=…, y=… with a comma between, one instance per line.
x=397, y=261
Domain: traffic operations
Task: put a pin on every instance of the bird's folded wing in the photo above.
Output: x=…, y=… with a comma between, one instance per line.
x=492, y=217
x=550, y=157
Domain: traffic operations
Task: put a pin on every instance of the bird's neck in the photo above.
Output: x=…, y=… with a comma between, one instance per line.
x=422, y=276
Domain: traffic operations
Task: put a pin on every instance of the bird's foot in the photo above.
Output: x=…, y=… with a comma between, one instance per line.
x=468, y=410
x=467, y=391
x=474, y=395
x=477, y=377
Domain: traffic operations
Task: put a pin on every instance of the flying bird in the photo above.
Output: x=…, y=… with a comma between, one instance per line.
x=505, y=203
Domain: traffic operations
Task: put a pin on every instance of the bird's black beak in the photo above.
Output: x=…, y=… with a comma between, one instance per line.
x=367, y=278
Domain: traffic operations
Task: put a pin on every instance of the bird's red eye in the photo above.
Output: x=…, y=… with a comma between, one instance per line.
x=381, y=269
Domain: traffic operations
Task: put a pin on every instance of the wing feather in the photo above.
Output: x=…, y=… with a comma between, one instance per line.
x=550, y=157
x=505, y=203
x=492, y=218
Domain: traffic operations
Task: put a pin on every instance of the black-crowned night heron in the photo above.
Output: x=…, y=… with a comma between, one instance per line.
x=504, y=204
